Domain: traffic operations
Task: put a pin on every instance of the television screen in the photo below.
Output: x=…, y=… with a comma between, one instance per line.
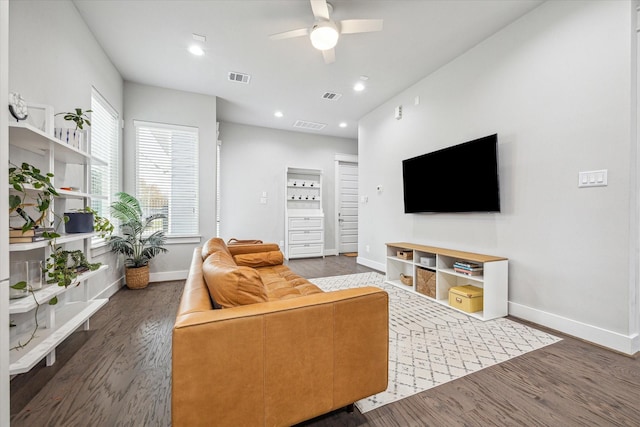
x=462, y=178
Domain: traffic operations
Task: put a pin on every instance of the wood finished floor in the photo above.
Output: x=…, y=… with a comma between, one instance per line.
x=118, y=374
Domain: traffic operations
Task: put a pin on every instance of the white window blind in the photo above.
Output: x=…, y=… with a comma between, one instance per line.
x=104, y=154
x=167, y=176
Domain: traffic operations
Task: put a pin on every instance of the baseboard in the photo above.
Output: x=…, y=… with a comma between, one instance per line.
x=627, y=344
x=330, y=252
x=167, y=276
x=110, y=290
x=372, y=264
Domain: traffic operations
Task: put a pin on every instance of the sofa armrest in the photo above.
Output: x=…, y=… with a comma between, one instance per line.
x=279, y=362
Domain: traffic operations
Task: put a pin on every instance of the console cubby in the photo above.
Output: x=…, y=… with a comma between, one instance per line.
x=493, y=279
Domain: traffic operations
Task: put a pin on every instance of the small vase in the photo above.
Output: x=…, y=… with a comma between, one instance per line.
x=29, y=272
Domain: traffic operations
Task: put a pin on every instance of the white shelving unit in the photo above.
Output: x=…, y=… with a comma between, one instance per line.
x=55, y=322
x=304, y=217
x=494, y=279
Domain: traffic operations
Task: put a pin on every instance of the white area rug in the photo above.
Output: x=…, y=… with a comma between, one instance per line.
x=430, y=344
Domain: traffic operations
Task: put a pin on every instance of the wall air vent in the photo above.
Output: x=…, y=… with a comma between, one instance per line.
x=239, y=77
x=331, y=96
x=302, y=124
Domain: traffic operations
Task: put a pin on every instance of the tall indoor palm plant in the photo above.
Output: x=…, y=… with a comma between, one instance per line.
x=136, y=240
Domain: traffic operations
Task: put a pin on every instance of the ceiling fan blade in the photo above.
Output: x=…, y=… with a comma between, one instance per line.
x=350, y=26
x=329, y=56
x=320, y=9
x=290, y=34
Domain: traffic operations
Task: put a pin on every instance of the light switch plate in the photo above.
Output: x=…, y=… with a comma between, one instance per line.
x=593, y=178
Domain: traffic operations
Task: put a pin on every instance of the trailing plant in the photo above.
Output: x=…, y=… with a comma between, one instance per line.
x=23, y=285
x=63, y=267
x=21, y=178
x=79, y=117
x=136, y=242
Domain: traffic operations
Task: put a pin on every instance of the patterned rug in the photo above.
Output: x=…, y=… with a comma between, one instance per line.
x=430, y=344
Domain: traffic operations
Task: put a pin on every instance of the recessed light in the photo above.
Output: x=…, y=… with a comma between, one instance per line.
x=196, y=50
x=278, y=114
x=358, y=87
x=343, y=125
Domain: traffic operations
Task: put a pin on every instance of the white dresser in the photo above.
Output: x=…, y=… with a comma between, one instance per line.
x=304, y=218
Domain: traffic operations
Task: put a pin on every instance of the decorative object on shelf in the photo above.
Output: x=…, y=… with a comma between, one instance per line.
x=21, y=178
x=74, y=137
x=18, y=106
x=135, y=243
x=406, y=280
x=63, y=267
x=426, y=282
x=101, y=225
x=41, y=117
x=79, y=117
x=467, y=298
x=78, y=222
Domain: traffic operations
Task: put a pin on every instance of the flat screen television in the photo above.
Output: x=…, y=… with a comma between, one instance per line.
x=461, y=178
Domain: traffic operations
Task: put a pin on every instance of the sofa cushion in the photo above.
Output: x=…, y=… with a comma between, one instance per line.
x=213, y=245
x=231, y=285
x=281, y=283
x=259, y=259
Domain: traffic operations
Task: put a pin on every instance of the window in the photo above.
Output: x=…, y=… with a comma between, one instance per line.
x=167, y=176
x=104, y=155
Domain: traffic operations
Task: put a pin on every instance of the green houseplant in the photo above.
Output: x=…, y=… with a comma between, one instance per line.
x=79, y=117
x=137, y=242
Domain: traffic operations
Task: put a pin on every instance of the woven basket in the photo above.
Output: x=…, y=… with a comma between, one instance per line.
x=426, y=282
x=137, y=278
x=406, y=280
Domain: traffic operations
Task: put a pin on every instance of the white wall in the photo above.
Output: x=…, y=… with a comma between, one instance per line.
x=55, y=60
x=4, y=221
x=556, y=86
x=154, y=104
x=253, y=160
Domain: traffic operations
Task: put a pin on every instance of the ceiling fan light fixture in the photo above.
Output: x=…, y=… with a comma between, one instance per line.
x=324, y=35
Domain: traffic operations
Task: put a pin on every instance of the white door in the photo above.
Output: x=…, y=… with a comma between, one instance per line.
x=347, y=207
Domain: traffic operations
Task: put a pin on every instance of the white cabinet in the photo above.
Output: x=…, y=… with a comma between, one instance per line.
x=304, y=218
x=71, y=169
x=441, y=263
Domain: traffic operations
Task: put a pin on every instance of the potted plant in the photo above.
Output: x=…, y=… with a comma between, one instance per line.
x=86, y=220
x=75, y=137
x=137, y=242
x=21, y=179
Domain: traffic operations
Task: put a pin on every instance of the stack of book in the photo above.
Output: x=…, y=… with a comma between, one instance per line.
x=467, y=268
x=33, y=235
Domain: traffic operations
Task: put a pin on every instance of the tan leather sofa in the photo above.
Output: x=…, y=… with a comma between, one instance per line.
x=280, y=351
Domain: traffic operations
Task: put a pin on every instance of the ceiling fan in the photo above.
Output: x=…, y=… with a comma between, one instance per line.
x=325, y=32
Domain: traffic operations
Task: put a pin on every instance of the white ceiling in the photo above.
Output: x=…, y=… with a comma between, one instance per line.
x=148, y=40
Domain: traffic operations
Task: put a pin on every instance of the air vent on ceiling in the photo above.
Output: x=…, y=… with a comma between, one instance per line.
x=331, y=96
x=239, y=77
x=302, y=124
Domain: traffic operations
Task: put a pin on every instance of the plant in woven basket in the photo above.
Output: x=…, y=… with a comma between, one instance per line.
x=138, y=241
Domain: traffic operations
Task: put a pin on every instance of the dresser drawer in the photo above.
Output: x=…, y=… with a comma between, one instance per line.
x=306, y=236
x=305, y=223
x=306, y=250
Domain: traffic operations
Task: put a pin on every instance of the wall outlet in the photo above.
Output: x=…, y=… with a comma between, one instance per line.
x=282, y=243
x=367, y=248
